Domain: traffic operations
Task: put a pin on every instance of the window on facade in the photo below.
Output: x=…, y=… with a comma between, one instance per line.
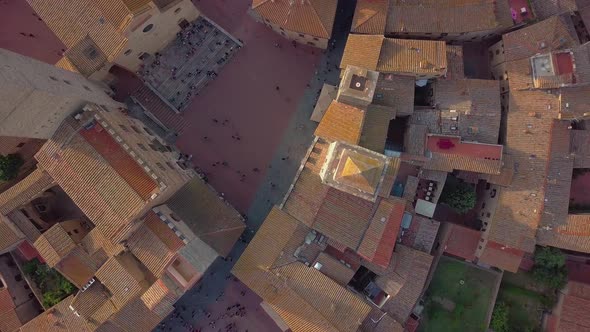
x=67, y=82
x=148, y=27
x=86, y=88
x=160, y=166
x=53, y=78
x=141, y=146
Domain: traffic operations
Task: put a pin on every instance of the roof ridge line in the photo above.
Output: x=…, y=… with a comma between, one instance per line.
x=319, y=18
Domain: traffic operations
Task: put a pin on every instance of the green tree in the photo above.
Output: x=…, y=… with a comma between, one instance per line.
x=550, y=267
x=460, y=196
x=499, y=321
x=9, y=166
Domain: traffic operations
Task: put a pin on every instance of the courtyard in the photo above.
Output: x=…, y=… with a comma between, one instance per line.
x=526, y=300
x=580, y=190
x=459, y=298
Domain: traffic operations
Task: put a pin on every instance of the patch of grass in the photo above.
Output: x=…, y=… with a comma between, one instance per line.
x=525, y=307
x=471, y=298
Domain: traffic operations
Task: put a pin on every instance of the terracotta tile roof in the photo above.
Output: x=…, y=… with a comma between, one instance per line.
x=120, y=160
x=305, y=198
x=150, y=250
x=528, y=137
x=453, y=16
x=472, y=106
x=574, y=101
x=287, y=255
x=370, y=17
x=86, y=303
x=135, y=316
x=164, y=233
x=413, y=57
x=422, y=233
x=395, y=92
x=54, y=244
x=6, y=303
x=102, y=314
x=58, y=318
x=341, y=122
x=389, y=177
x=24, y=224
x=159, y=298
x=343, y=217
x=362, y=51
x=557, y=183
x=159, y=110
x=381, y=235
x=90, y=181
x=120, y=280
x=78, y=266
x=342, y=308
x=311, y=17
x=305, y=298
x=500, y=256
x=571, y=233
x=580, y=147
x=462, y=242
x=544, y=9
x=65, y=63
x=334, y=269
x=99, y=20
x=94, y=241
x=574, y=307
x=375, y=126
x=449, y=162
x=135, y=5
x=455, y=62
x=415, y=139
x=582, y=60
x=9, y=321
x=404, y=281
x=9, y=235
x=23, y=191
x=554, y=33
x=211, y=219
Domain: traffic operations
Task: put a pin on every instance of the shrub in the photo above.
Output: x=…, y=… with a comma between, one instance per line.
x=460, y=196
x=9, y=166
x=550, y=267
x=499, y=321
